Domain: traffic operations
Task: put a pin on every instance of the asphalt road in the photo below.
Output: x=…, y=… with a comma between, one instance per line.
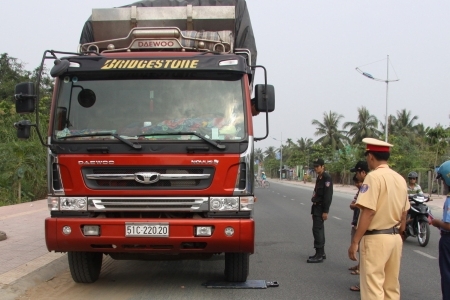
x=283, y=243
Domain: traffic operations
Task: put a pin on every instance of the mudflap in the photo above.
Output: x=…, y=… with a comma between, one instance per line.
x=249, y=284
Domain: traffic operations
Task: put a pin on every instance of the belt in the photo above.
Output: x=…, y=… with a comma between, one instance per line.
x=392, y=230
x=317, y=203
x=445, y=232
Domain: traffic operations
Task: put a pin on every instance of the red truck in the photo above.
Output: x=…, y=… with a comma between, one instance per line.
x=150, y=140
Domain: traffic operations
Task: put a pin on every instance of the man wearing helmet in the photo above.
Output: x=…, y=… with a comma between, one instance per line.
x=413, y=187
x=444, y=226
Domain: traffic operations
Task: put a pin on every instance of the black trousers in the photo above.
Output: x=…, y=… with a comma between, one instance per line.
x=444, y=265
x=318, y=228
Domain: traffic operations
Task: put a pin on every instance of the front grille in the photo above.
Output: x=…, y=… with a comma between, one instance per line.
x=185, y=204
x=163, y=184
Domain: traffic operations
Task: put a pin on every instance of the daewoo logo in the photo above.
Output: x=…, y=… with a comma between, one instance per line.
x=96, y=162
x=205, y=161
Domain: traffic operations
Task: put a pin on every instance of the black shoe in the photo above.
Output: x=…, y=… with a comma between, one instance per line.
x=315, y=259
x=323, y=256
x=318, y=257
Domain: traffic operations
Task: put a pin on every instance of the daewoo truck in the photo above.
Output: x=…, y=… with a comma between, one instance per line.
x=151, y=141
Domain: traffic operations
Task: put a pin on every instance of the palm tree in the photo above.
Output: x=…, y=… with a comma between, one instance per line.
x=288, y=150
x=259, y=155
x=329, y=132
x=270, y=152
x=366, y=126
x=403, y=124
x=304, y=144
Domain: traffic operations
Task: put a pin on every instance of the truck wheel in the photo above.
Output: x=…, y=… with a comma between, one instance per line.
x=85, y=266
x=236, y=266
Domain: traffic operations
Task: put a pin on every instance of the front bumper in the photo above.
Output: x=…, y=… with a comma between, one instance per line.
x=181, y=236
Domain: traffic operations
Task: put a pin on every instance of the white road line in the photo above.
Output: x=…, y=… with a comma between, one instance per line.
x=293, y=199
x=284, y=196
x=424, y=254
x=302, y=203
x=337, y=218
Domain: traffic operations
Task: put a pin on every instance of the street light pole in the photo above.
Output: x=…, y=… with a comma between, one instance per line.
x=281, y=152
x=387, y=88
x=386, y=125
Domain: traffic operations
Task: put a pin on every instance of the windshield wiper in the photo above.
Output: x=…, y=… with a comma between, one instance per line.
x=105, y=133
x=214, y=143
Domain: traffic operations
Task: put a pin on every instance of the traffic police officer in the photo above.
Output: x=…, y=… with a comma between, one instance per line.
x=321, y=201
x=383, y=201
x=444, y=226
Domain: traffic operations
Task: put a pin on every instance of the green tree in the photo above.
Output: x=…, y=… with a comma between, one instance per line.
x=22, y=163
x=403, y=123
x=270, y=152
x=365, y=126
x=11, y=73
x=259, y=155
x=328, y=131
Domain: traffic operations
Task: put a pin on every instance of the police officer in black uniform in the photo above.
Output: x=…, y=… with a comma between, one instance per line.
x=321, y=201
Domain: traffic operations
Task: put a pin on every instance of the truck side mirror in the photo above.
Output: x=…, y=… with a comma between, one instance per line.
x=265, y=98
x=25, y=98
x=23, y=129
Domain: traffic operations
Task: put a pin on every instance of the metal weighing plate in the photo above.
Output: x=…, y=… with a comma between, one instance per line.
x=249, y=284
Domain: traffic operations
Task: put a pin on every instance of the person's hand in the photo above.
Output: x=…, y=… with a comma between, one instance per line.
x=352, y=251
x=436, y=223
x=403, y=235
x=324, y=216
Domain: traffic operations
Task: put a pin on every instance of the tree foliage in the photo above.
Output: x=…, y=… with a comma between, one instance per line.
x=22, y=163
x=415, y=147
x=329, y=132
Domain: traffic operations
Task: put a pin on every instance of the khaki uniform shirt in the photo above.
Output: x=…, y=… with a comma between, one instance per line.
x=385, y=192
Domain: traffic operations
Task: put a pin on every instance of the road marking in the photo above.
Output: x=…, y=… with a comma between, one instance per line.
x=293, y=199
x=284, y=196
x=424, y=254
x=337, y=218
x=302, y=203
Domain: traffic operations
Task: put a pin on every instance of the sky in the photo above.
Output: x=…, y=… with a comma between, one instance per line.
x=309, y=48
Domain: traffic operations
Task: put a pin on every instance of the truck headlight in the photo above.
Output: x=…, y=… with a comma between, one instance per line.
x=53, y=203
x=246, y=203
x=224, y=204
x=73, y=203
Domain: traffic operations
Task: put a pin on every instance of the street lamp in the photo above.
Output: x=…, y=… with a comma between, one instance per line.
x=386, y=126
x=281, y=153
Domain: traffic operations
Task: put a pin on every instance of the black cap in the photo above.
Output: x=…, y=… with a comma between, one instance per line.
x=360, y=166
x=318, y=162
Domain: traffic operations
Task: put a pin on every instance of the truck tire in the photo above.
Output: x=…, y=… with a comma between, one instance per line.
x=236, y=266
x=85, y=266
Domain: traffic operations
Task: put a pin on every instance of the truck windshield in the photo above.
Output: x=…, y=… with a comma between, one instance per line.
x=146, y=109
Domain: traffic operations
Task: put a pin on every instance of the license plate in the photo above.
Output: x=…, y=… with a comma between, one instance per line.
x=147, y=229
